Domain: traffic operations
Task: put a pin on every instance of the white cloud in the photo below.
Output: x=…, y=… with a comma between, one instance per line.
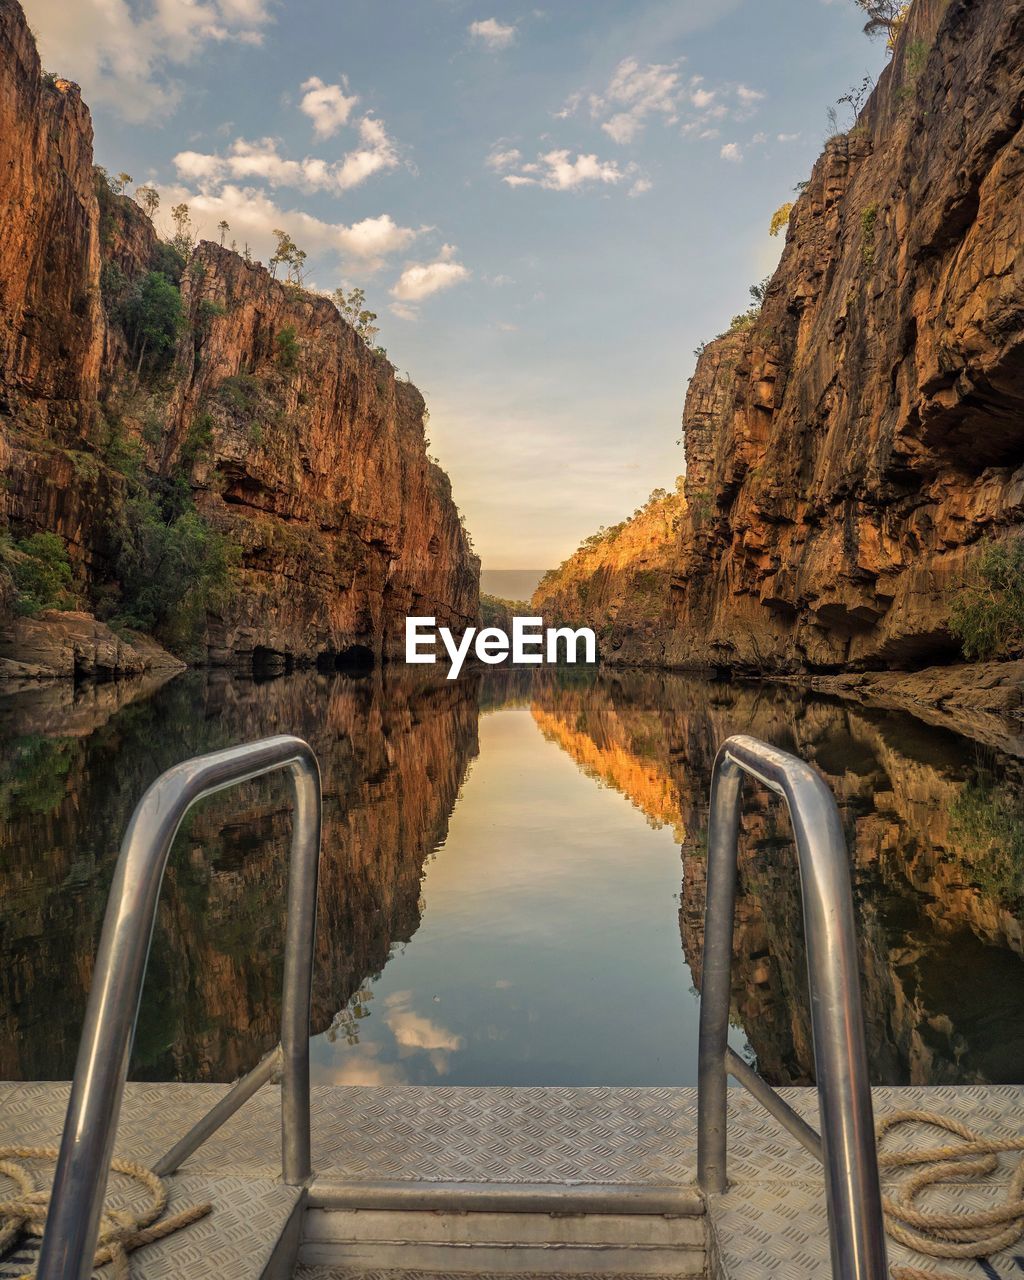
x=253, y=215
x=634, y=93
x=327, y=105
x=558, y=171
x=420, y=279
x=125, y=59
x=786, y=137
x=492, y=33
x=261, y=160
x=748, y=96
x=702, y=98
x=732, y=151
x=640, y=186
x=501, y=159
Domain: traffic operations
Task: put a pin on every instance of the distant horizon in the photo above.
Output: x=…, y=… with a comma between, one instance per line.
x=510, y=584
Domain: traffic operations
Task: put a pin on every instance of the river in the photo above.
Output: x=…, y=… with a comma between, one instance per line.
x=512, y=881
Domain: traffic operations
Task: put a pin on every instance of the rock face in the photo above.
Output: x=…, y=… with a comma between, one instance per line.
x=70, y=645
x=294, y=439
x=845, y=453
x=618, y=584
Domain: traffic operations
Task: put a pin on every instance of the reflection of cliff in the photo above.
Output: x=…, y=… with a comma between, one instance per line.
x=393, y=758
x=939, y=894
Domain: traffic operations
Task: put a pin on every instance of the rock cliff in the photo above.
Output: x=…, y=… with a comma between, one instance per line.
x=618, y=581
x=271, y=415
x=848, y=449
x=846, y=452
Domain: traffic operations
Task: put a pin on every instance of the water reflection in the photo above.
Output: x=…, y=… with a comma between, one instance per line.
x=500, y=893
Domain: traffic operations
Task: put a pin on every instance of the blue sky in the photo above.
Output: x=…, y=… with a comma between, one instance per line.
x=549, y=206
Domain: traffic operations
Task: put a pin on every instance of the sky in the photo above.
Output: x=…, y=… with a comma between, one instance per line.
x=549, y=207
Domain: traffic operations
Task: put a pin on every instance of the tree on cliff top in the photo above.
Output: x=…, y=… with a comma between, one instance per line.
x=885, y=17
x=353, y=308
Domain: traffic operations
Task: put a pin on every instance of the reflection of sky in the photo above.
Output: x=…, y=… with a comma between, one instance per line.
x=549, y=950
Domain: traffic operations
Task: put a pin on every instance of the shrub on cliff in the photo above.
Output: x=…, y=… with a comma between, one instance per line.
x=171, y=571
x=151, y=316
x=987, y=613
x=41, y=572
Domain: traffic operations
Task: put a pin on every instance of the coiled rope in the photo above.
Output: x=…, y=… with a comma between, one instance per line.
x=973, y=1233
x=121, y=1230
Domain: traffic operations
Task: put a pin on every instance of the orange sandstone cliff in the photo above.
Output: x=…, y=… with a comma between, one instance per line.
x=315, y=468
x=847, y=452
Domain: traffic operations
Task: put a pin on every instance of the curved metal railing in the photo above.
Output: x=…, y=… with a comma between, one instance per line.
x=98, y=1087
x=846, y=1145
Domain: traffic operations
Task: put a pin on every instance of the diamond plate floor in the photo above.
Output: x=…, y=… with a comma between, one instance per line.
x=771, y=1223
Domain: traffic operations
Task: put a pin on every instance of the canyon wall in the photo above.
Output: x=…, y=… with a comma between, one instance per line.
x=849, y=448
x=618, y=583
x=847, y=452
x=288, y=433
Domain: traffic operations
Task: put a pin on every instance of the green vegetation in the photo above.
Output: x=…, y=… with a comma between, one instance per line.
x=496, y=611
x=288, y=254
x=780, y=218
x=988, y=818
x=353, y=308
x=987, y=613
x=884, y=17
x=288, y=347
x=173, y=567
x=41, y=572
x=747, y=319
x=185, y=236
x=150, y=314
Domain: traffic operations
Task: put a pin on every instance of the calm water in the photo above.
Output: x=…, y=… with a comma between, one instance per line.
x=512, y=884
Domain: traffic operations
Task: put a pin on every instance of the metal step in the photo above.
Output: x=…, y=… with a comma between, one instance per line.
x=537, y=1229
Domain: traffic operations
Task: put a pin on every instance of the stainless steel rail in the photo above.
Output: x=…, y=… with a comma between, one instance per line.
x=98, y=1087
x=847, y=1139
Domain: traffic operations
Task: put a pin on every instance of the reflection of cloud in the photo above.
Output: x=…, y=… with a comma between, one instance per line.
x=362, y=1070
x=414, y=1032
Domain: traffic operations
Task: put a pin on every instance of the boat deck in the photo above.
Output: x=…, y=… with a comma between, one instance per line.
x=434, y=1181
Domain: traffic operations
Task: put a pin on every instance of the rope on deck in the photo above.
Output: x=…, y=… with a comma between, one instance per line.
x=121, y=1230
x=973, y=1233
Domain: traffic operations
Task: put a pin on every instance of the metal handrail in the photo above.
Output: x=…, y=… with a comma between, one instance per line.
x=94, y=1107
x=847, y=1139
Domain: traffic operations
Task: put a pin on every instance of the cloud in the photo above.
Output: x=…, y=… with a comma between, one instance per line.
x=253, y=215
x=421, y=279
x=732, y=151
x=640, y=186
x=327, y=105
x=263, y=161
x=786, y=137
x=124, y=59
x=634, y=93
x=558, y=171
x=748, y=96
x=492, y=33
x=499, y=160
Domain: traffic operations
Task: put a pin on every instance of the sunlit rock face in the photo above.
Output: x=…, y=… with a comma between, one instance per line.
x=845, y=452
x=392, y=761
x=294, y=437
x=936, y=837
x=619, y=585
